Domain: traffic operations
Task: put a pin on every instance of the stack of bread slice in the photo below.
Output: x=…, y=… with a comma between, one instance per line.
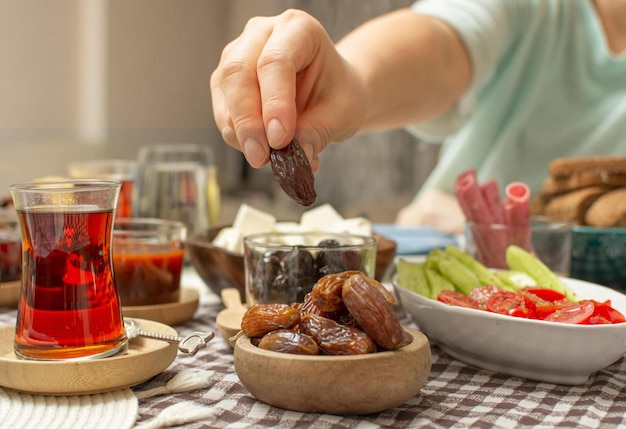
x=585, y=191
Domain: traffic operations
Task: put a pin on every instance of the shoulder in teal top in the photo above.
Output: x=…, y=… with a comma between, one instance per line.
x=545, y=86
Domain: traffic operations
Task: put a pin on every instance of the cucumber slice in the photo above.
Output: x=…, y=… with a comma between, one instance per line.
x=519, y=259
x=411, y=276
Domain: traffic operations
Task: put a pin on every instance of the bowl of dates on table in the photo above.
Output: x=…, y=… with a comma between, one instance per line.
x=340, y=351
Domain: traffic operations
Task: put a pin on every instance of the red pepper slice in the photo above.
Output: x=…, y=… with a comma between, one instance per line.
x=545, y=293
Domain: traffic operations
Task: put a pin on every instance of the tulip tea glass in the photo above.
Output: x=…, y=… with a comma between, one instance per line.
x=110, y=169
x=69, y=307
x=10, y=247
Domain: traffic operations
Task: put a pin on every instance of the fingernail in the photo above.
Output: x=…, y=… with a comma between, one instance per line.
x=307, y=147
x=228, y=134
x=275, y=133
x=254, y=151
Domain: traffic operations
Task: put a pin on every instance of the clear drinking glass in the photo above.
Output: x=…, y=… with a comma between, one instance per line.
x=148, y=259
x=547, y=239
x=178, y=182
x=69, y=307
x=282, y=267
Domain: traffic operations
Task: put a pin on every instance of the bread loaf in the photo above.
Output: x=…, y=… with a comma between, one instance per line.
x=585, y=191
x=572, y=206
x=608, y=210
x=563, y=167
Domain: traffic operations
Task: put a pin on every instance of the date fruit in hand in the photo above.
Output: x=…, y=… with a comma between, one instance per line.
x=293, y=173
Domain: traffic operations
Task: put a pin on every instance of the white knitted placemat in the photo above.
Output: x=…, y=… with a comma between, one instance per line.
x=117, y=409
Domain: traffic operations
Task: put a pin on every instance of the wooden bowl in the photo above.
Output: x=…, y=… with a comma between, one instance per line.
x=221, y=269
x=218, y=267
x=341, y=385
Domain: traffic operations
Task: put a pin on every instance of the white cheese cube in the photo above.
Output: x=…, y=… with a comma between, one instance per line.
x=230, y=239
x=287, y=227
x=251, y=221
x=321, y=218
x=355, y=225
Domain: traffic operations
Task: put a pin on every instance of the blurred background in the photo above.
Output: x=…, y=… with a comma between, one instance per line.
x=93, y=79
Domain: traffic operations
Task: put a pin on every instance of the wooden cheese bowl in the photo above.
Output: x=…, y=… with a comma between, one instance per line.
x=341, y=385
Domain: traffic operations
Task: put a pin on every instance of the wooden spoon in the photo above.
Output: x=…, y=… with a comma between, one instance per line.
x=229, y=319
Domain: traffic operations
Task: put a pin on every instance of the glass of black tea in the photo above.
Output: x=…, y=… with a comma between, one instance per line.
x=69, y=307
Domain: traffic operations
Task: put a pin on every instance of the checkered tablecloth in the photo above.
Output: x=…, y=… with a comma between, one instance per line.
x=455, y=396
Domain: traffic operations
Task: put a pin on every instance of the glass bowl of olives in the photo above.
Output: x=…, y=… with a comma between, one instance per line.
x=282, y=267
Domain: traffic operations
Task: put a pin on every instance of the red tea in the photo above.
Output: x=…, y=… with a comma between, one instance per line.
x=69, y=306
x=125, y=200
x=10, y=260
x=144, y=278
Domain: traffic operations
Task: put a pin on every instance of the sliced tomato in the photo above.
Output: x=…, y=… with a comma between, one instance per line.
x=504, y=301
x=454, y=297
x=599, y=320
x=576, y=314
x=482, y=294
x=545, y=293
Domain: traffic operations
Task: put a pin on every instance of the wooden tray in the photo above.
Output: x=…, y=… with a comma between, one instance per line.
x=145, y=359
x=10, y=293
x=170, y=313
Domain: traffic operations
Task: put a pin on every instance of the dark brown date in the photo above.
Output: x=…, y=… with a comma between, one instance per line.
x=373, y=313
x=261, y=319
x=293, y=173
x=334, y=338
x=288, y=341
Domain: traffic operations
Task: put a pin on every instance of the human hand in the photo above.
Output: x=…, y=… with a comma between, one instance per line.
x=281, y=79
x=434, y=208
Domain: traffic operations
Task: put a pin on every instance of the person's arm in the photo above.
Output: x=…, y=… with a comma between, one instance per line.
x=283, y=78
x=414, y=67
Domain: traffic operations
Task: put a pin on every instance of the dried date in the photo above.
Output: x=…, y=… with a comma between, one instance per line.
x=261, y=319
x=288, y=341
x=326, y=292
x=373, y=313
x=334, y=338
x=293, y=173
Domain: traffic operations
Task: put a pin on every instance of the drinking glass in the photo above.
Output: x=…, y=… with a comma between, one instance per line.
x=123, y=170
x=178, y=182
x=549, y=240
x=10, y=247
x=69, y=307
x=283, y=267
x=148, y=259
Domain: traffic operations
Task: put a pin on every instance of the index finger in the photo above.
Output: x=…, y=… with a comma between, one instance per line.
x=291, y=49
x=238, y=91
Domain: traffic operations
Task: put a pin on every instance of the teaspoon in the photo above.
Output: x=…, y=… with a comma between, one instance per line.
x=189, y=344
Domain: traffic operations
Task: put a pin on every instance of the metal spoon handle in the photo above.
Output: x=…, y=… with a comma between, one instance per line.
x=158, y=336
x=189, y=344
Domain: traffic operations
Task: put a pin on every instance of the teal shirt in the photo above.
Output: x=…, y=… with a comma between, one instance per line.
x=545, y=85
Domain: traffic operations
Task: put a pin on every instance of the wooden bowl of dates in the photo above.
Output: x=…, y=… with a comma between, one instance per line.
x=220, y=268
x=341, y=385
x=341, y=351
